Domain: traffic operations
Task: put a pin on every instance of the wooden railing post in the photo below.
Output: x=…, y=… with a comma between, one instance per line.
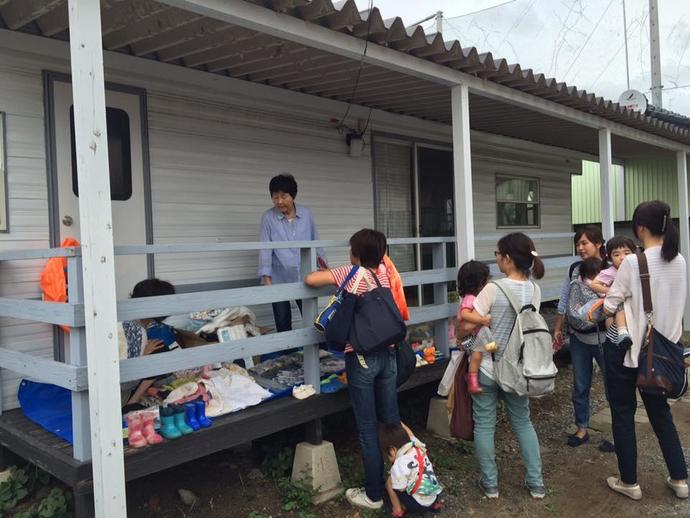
x=438, y=256
x=76, y=355
x=309, y=312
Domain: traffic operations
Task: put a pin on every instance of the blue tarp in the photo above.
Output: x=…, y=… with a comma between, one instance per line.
x=49, y=406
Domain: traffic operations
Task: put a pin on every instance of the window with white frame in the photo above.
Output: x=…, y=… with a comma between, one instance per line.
x=517, y=201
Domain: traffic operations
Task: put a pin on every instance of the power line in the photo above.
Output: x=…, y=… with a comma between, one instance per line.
x=587, y=40
x=517, y=22
x=481, y=10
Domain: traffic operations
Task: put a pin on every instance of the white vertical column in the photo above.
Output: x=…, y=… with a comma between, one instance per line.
x=462, y=177
x=88, y=93
x=682, y=164
x=606, y=182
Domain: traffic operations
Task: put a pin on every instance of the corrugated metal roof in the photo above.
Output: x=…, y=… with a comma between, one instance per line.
x=153, y=30
x=669, y=116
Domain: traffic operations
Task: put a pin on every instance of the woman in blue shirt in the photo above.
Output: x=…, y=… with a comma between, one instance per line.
x=285, y=221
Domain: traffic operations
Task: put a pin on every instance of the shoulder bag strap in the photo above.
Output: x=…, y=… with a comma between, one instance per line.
x=421, y=468
x=352, y=273
x=646, y=285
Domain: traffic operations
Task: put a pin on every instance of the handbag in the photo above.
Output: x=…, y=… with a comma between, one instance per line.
x=334, y=303
x=461, y=422
x=661, y=368
x=376, y=321
x=406, y=361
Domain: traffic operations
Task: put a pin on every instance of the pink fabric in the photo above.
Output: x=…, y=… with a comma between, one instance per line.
x=466, y=303
x=606, y=277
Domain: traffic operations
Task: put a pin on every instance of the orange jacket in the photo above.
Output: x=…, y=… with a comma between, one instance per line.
x=54, y=276
x=396, y=287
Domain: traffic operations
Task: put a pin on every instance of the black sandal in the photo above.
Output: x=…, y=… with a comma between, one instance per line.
x=574, y=441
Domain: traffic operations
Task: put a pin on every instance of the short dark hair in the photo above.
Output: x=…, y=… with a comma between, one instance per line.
x=617, y=242
x=284, y=182
x=655, y=216
x=472, y=277
x=152, y=288
x=369, y=246
x=392, y=435
x=590, y=268
x=593, y=235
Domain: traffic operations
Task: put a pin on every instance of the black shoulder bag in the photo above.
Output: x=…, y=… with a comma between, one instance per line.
x=661, y=369
x=376, y=321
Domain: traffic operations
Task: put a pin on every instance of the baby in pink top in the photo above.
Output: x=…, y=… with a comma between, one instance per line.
x=616, y=249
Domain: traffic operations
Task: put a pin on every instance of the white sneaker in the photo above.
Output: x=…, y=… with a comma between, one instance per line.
x=633, y=492
x=679, y=488
x=357, y=496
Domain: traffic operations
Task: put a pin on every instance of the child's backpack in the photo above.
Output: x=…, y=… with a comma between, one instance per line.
x=526, y=366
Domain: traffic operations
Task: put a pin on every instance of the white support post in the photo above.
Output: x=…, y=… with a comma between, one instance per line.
x=682, y=164
x=88, y=93
x=606, y=182
x=438, y=254
x=312, y=373
x=462, y=174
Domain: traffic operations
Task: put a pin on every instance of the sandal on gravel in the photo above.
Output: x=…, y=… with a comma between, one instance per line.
x=574, y=441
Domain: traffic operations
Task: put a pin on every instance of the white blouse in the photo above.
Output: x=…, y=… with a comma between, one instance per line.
x=669, y=293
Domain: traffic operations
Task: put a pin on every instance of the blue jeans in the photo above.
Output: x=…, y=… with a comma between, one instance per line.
x=484, y=413
x=282, y=314
x=623, y=401
x=374, y=396
x=582, y=355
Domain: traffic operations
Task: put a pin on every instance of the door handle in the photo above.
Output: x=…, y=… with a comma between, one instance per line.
x=67, y=221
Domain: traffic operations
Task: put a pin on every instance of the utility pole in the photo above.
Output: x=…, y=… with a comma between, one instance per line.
x=625, y=36
x=439, y=21
x=655, y=53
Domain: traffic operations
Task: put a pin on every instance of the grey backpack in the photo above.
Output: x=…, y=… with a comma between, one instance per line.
x=580, y=294
x=525, y=366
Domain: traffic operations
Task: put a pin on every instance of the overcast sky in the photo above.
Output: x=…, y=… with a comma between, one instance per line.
x=580, y=42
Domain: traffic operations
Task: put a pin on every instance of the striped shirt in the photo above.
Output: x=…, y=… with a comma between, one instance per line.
x=491, y=300
x=359, y=288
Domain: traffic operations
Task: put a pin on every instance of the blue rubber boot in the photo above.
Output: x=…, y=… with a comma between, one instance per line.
x=190, y=416
x=179, y=420
x=168, y=428
x=201, y=418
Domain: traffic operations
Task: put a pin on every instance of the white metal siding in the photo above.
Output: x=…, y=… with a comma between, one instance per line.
x=21, y=98
x=213, y=152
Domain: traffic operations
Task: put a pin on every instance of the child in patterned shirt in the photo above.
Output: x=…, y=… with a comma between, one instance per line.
x=412, y=485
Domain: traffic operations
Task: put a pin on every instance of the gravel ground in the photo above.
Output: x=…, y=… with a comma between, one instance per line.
x=231, y=484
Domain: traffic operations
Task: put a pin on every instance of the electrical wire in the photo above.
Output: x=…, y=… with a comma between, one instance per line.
x=359, y=70
x=480, y=10
x=587, y=40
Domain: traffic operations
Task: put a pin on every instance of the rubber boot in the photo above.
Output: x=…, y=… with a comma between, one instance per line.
x=179, y=420
x=200, y=407
x=168, y=428
x=135, y=437
x=473, y=383
x=190, y=416
x=152, y=437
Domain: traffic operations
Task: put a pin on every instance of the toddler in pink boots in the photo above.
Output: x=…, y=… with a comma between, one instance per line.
x=472, y=277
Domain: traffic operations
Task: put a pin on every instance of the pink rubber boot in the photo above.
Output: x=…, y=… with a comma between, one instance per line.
x=473, y=383
x=149, y=432
x=135, y=438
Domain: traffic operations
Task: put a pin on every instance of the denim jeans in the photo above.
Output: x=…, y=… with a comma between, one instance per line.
x=374, y=396
x=582, y=355
x=484, y=412
x=623, y=401
x=282, y=314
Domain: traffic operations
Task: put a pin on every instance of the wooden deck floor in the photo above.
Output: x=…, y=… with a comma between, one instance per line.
x=54, y=455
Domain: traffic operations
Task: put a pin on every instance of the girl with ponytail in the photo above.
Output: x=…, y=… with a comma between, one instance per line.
x=659, y=236
x=518, y=260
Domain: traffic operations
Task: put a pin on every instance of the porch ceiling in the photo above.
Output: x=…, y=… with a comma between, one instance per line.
x=154, y=30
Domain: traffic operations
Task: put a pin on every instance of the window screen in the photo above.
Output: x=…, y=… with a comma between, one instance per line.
x=517, y=202
x=119, y=154
x=394, y=195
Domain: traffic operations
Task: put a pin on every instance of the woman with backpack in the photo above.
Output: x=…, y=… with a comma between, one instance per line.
x=517, y=259
x=652, y=225
x=585, y=344
x=371, y=377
